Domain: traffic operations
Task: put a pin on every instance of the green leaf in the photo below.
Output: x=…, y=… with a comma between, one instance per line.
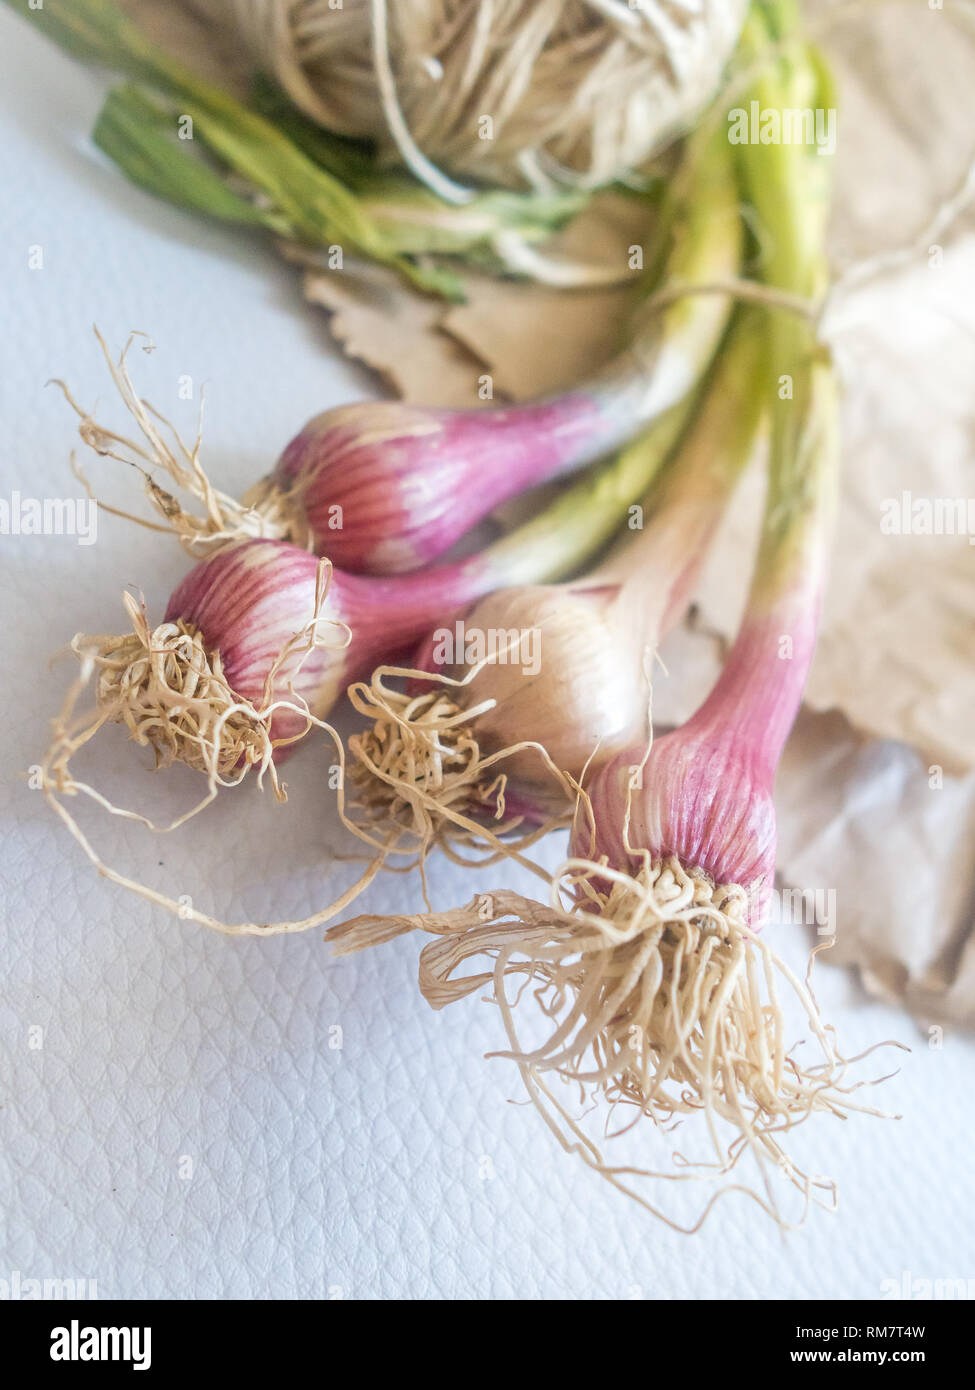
x=140, y=136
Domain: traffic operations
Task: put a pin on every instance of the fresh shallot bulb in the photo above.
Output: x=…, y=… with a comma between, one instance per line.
x=510, y=705
x=504, y=709
x=257, y=643
x=384, y=487
x=247, y=604
x=701, y=795
x=704, y=792
x=562, y=668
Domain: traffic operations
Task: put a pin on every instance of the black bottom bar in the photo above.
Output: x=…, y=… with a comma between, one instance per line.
x=279, y=1338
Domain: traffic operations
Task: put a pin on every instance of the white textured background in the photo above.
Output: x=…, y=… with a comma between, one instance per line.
x=391, y=1167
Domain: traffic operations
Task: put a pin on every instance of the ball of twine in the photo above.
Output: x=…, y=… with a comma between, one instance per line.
x=511, y=92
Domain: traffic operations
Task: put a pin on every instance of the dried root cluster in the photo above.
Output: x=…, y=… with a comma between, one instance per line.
x=653, y=992
x=421, y=780
x=265, y=512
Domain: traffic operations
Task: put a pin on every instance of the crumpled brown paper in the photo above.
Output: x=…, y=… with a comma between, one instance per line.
x=376, y=320
x=894, y=838
x=529, y=338
x=876, y=792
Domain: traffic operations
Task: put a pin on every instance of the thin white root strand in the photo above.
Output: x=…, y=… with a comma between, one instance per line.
x=265, y=512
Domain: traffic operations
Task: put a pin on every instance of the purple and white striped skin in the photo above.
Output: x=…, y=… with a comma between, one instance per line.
x=705, y=791
x=250, y=600
x=385, y=487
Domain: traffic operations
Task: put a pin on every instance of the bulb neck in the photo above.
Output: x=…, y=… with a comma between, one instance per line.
x=757, y=697
x=391, y=614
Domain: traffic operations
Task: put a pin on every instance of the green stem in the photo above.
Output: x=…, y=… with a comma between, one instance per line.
x=706, y=242
x=719, y=442
x=574, y=528
x=697, y=450
x=788, y=186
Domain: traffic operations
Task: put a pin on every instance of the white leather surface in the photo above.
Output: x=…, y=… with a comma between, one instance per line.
x=390, y=1166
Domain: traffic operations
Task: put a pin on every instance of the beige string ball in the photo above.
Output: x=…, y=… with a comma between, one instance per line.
x=510, y=92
